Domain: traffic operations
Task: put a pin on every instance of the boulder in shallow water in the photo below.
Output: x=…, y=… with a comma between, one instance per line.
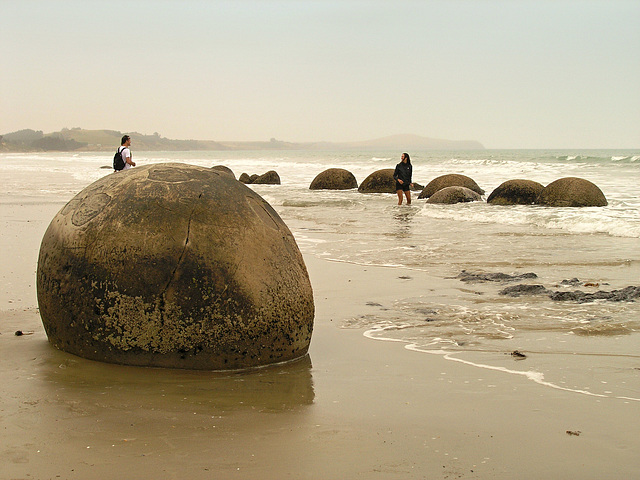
x=380, y=181
x=572, y=192
x=174, y=265
x=334, y=179
x=244, y=178
x=450, y=195
x=450, y=180
x=269, y=178
x=516, y=192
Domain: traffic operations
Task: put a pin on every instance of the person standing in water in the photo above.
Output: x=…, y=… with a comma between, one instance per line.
x=402, y=176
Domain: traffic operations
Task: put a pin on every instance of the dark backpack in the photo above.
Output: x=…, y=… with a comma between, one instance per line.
x=118, y=162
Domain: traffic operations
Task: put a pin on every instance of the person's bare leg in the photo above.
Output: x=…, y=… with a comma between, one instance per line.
x=399, y=192
x=408, y=194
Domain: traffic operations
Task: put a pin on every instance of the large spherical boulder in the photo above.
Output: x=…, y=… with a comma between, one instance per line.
x=174, y=265
x=450, y=180
x=380, y=181
x=224, y=168
x=334, y=179
x=450, y=195
x=572, y=192
x=516, y=192
x=269, y=178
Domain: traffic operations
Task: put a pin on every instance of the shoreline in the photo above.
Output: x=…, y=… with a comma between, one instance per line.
x=354, y=408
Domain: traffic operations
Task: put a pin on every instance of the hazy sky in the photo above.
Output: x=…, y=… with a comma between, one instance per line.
x=508, y=73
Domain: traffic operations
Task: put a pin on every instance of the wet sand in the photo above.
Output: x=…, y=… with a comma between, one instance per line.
x=354, y=408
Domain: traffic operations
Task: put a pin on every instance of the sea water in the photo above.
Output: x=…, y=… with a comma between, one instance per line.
x=587, y=348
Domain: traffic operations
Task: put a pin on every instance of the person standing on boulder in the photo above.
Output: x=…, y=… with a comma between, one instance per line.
x=125, y=151
x=402, y=176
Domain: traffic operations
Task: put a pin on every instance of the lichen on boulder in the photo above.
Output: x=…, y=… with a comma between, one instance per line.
x=174, y=265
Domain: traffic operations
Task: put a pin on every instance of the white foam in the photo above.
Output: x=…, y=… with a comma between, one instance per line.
x=617, y=222
x=534, y=376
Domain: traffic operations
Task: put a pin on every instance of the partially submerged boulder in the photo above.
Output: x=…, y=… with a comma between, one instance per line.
x=334, y=179
x=450, y=195
x=572, y=192
x=174, y=265
x=380, y=181
x=450, y=180
x=516, y=192
x=269, y=178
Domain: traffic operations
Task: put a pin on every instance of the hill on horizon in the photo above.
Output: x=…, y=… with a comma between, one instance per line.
x=78, y=139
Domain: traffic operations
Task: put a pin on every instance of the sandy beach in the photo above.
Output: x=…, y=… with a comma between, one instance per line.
x=354, y=408
x=494, y=338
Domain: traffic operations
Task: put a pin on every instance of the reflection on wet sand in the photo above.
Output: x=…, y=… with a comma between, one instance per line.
x=403, y=217
x=276, y=388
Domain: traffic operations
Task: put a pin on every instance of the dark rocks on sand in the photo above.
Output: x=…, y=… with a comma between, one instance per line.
x=450, y=180
x=380, y=181
x=174, y=265
x=222, y=168
x=572, y=192
x=493, y=277
x=450, y=195
x=524, y=289
x=516, y=192
x=334, y=179
x=627, y=294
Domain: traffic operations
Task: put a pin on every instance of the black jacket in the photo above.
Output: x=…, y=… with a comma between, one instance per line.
x=403, y=172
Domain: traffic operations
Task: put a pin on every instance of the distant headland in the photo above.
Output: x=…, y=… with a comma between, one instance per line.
x=78, y=139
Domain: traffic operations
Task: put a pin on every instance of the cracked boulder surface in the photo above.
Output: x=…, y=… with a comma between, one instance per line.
x=174, y=265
